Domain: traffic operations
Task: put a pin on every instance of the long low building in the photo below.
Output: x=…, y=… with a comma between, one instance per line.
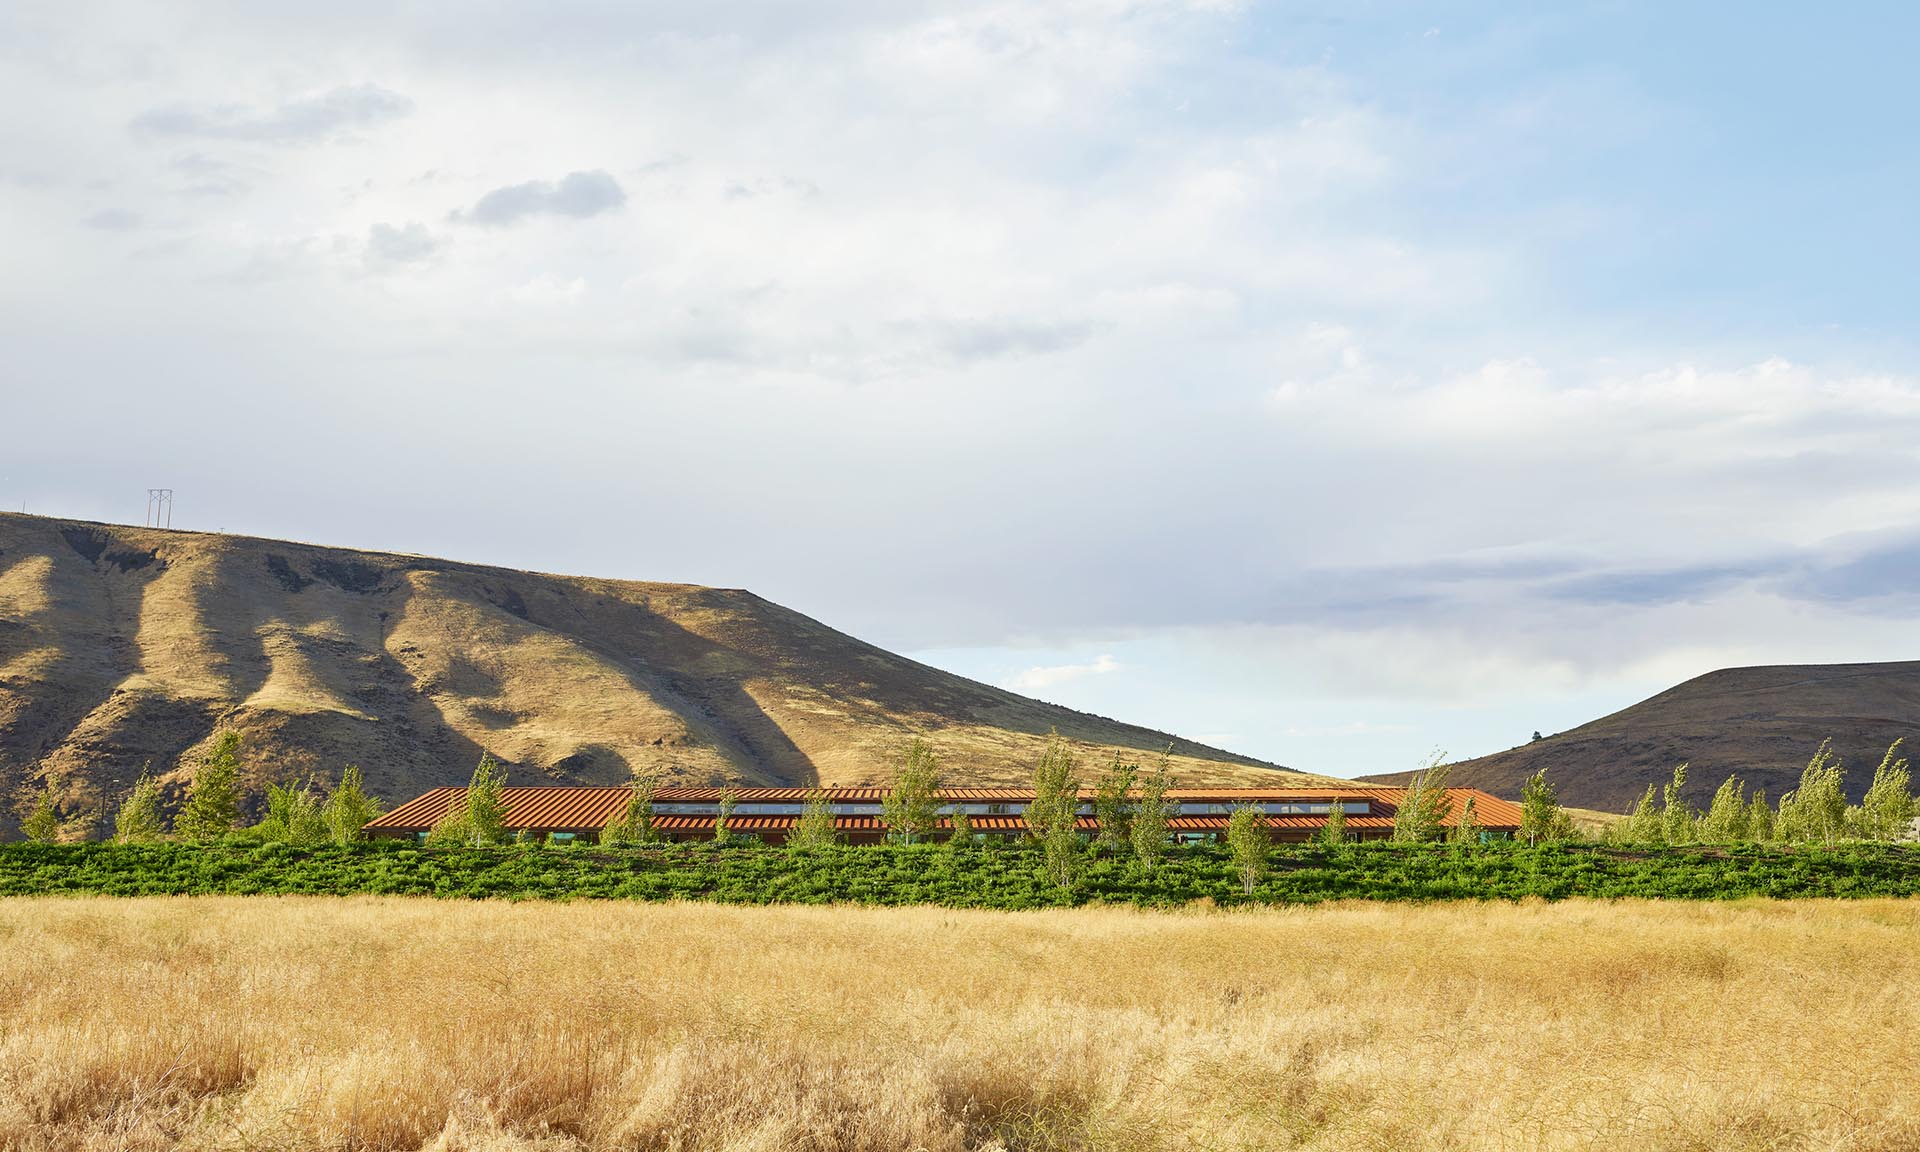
x=576, y=815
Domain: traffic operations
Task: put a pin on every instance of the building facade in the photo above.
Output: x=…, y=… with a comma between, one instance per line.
x=576, y=815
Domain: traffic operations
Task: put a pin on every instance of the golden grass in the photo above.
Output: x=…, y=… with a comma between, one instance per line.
x=292, y=1023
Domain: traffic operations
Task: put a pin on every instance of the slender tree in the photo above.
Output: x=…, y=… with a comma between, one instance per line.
x=1424, y=809
x=1887, y=810
x=1151, y=815
x=1054, y=814
x=42, y=822
x=911, y=808
x=1334, y=832
x=815, y=827
x=723, y=815
x=293, y=815
x=1817, y=809
x=1466, y=830
x=1643, y=824
x=1113, y=803
x=213, y=800
x=1540, y=816
x=477, y=816
x=634, y=825
x=1759, y=818
x=1249, y=841
x=138, y=820
x=348, y=808
x=1726, y=818
x=1676, y=815
x=959, y=828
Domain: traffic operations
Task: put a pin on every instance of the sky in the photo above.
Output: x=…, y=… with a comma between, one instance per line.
x=1333, y=382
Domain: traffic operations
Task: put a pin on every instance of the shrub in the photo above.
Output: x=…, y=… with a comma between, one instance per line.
x=213, y=800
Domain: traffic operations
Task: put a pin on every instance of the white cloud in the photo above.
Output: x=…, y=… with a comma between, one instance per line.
x=1037, y=678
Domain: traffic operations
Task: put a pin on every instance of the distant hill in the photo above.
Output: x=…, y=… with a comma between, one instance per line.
x=122, y=647
x=1761, y=724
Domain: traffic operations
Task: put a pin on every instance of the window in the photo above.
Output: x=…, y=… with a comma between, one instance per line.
x=560, y=838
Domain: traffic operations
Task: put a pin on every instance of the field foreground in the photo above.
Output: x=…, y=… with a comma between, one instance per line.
x=299, y=1023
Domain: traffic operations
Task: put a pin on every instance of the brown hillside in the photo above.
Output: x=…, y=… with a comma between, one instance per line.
x=1761, y=724
x=121, y=647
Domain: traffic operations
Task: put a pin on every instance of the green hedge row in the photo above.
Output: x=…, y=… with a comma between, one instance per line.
x=971, y=878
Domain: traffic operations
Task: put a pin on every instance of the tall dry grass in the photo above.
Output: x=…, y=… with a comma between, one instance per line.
x=314, y=1023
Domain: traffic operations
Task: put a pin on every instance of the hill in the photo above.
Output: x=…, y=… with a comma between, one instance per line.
x=1761, y=724
x=122, y=647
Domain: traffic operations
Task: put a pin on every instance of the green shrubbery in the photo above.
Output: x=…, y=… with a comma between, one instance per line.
x=1816, y=812
x=1012, y=877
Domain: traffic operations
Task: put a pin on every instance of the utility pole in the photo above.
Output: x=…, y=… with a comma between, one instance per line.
x=159, y=508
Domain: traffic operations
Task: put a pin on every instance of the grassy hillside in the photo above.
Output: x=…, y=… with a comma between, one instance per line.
x=1759, y=723
x=122, y=647
x=300, y=1023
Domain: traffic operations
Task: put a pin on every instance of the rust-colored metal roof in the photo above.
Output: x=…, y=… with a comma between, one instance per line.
x=555, y=808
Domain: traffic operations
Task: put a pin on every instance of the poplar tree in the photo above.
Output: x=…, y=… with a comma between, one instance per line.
x=1817, y=809
x=635, y=824
x=1642, y=825
x=348, y=808
x=42, y=822
x=478, y=816
x=1759, y=818
x=1676, y=815
x=213, y=799
x=293, y=815
x=1887, y=810
x=1334, y=832
x=1249, y=840
x=1112, y=804
x=1467, y=829
x=959, y=829
x=1150, y=817
x=911, y=808
x=1053, y=815
x=1423, y=810
x=1727, y=816
x=138, y=820
x=723, y=815
x=815, y=828
x=1540, y=815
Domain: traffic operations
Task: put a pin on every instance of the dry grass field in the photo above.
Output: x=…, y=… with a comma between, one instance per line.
x=294, y=1023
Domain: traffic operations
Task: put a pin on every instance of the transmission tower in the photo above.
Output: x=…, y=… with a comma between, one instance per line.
x=159, y=507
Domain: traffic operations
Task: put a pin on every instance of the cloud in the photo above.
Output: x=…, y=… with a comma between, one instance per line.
x=113, y=220
x=304, y=120
x=408, y=244
x=577, y=194
x=1046, y=677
